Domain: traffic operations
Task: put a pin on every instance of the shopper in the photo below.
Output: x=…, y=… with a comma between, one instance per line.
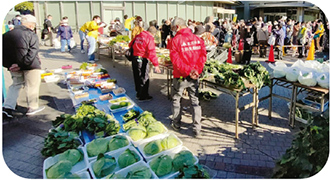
x=47, y=31
x=207, y=36
x=65, y=32
x=280, y=34
x=127, y=22
x=318, y=34
x=143, y=50
x=188, y=56
x=20, y=56
x=302, y=40
x=248, y=42
x=119, y=27
x=262, y=36
x=165, y=31
x=138, y=27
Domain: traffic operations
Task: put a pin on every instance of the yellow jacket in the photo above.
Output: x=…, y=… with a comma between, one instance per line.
x=136, y=31
x=128, y=23
x=320, y=30
x=92, y=28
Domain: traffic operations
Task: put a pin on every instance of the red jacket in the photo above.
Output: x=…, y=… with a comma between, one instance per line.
x=144, y=46
x=187, y=52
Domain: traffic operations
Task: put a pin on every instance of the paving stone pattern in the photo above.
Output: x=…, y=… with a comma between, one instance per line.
x=253, y=155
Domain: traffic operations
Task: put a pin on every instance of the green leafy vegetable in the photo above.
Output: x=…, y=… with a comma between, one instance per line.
x=104, y=165
x=169, y=142
x=155, y=128
x=58, y=169
x=153, y=147
x=183, y=159
x=194, y=172
x=72, y=155
x=127, y=158
x=131, y=114
x=162, y=165
x=97, y=146
x=137, y=132
x=118, y=142
x=140, y=173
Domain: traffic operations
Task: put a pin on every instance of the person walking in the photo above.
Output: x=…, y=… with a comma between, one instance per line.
x=262, y=36
x=143, y=50
x=20, y=57
x=47, y=31
x=165, y=31
x=248, y=42
x=65, y=32
x=188, y=56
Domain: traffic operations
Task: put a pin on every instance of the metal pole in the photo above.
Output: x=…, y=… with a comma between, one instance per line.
x=236, y=115
x=270, y=107
x=292, y=116
x=253, y=107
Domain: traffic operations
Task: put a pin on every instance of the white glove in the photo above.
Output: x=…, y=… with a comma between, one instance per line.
x=102, y=25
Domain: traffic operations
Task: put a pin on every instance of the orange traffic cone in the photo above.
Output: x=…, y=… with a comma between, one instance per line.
x=229, y=60
x=271, y=58
x=311, y=52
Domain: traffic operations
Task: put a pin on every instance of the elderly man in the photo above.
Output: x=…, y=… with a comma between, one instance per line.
x=188, y=56
x=20, y=56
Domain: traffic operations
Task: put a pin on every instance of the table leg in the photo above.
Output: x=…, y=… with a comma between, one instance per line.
x=322, y=103
x=253, y=108
x=168, y=83
x=256, y=106
x=270, y=107
x=292, y=115
x=236, y=115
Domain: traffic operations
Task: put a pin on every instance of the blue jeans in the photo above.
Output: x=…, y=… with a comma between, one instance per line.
x=63, y=43
x=91, y=47
x=82, y=36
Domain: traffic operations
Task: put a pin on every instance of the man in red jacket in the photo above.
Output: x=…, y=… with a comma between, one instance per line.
x=188, y=56
x=143, y=49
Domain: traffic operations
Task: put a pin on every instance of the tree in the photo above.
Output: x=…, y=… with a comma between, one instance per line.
x=25, y=7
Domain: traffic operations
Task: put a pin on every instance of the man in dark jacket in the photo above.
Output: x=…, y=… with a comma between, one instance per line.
x=165, y=31
x=20, y=56
x=47, y=31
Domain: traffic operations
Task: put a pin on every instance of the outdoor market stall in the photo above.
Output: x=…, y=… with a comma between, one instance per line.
x=111, y=137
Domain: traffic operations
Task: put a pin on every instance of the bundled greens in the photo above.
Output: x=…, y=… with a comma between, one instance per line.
x=97, y=146
x=183, y=159
x=162, y=165
x=104, y=165
x=117, y=142
x=58, y=141
x=131, y=114
x=256, y=74
x=140, y=173
x=119, y=38
x=144, y=119
x=127, y=158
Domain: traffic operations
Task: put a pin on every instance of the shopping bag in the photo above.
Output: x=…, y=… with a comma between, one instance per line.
x=72, y=43
x=307, y=79
x=57, y=44
x=323, y=80
x=279, y=69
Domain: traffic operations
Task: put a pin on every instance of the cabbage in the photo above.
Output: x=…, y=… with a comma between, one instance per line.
x=155, y=129
x=182, y=159
x=72, y=155
x=97, y=146
x=153, y=147
x=162, y=165
x=170, y=142
x=118, y=142
x=58, y=169
x=127, y=158
x=137, y=132
x=114, y=176
x=140, y=173
x=104, y=165
x=68, y=175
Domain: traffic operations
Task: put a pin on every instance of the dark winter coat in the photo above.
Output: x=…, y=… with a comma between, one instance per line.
x=21, y=46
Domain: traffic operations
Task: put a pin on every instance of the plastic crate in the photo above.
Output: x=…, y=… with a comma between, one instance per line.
x=115, y=154
x=108, y=138
x=172, y=154
x=149, y=157
x=79, y=167
x=316, y=104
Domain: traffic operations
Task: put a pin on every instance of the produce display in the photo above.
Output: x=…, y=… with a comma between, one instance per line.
x=127, y=158
x=235, y=76
x=119, y=39
x=183, y=159
x=162, y=165
x=104, y=165
x=194, y=172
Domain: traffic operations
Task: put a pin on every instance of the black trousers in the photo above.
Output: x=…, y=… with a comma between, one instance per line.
x=140, y=68
x=263, y=47
x=247, y=53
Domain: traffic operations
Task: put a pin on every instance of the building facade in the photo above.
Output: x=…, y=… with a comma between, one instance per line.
x=274, y=10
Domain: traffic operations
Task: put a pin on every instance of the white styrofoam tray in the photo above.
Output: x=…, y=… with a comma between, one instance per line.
x=162, y=136
x=123, y=108
x=123, y=172
x=138, y=142
x=115, y=155
x=172, y=154
x=84, y=175
x=80, y=166
x=108, y=138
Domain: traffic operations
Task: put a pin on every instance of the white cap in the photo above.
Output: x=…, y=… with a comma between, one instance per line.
x=29, y=18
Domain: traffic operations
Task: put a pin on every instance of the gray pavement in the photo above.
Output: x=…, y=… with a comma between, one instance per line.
x=253, y=155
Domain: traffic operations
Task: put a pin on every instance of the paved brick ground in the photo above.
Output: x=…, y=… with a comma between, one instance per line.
x=253, y=155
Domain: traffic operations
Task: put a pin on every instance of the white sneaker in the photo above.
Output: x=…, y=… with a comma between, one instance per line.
x=82, y=51
x=34, y=111
x=91, y=61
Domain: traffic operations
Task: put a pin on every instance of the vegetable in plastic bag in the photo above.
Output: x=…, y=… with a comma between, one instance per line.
x=292, y=74
x=170, y=142
x=155, y=129
x=323, y=81
x=104, y=165
x=72, y=155
x=58, y=169
x=307, y=79
x=162, y=165
x=118, y=142
x=140, y=173
x=127, y=158
x=153, y=147
x=182, y=159
x=97, y=146
x=279, y=70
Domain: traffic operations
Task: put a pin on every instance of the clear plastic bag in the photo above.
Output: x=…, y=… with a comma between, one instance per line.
x=307, y=79
x=323, y=80
x=57, y=44
x=279, y=69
